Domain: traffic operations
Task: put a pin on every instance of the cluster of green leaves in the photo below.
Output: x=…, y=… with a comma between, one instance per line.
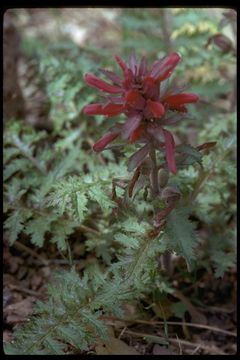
x=71, y=318
x=46, y=195
x=217, y=199
x=214, y=187
x=36, y=198
x=216, y=202
x=54, y=185
x=40, y=198
x=66, y=319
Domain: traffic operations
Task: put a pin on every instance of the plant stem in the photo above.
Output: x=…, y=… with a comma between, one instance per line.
x=166, y=258
x=69, y=254
x=154, y=173
x=166, y=29
x=203, y=176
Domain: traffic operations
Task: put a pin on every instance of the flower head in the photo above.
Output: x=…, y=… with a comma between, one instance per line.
x=137, y=94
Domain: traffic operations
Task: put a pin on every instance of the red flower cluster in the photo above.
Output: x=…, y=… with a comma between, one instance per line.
x=139, y=95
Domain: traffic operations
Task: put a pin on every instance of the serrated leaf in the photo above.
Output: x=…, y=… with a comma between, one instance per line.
x=15, y=223
x=14, y=166
x=9, y=152
x=134, y=226
x=60, y=231
x=100, y=327
x=67, y=142
x=37, y=228
x=229, y=142
x=222, y=262
x=96, y=193
x=55, y=346
x=24, y=148
x=81, y=205
x=128, y=241
x=74, y=335
x=181, y=235
x=192, y=155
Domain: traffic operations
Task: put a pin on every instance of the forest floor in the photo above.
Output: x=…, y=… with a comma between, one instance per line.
x=208, y=326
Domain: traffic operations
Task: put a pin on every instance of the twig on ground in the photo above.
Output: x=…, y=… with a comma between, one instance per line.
x=64, y=262
x=31, y=252
x=24, y=290
x=200, y=326
x=180, y=347
x=196, y=350
x=209, y=349
x=122, y=332
x=217, y=309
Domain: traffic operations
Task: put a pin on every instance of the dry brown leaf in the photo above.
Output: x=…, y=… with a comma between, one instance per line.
x=131, y=311
x=7, y=336
x=19, y=311
x=115, y=347
x=36, y=281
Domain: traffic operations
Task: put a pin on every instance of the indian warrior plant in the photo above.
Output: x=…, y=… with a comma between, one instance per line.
x=143, y=95
x=72, y=314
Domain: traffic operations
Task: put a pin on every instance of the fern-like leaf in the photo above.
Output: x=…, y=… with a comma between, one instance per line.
x=37, y=229
x=180, y=234
x=15, y=223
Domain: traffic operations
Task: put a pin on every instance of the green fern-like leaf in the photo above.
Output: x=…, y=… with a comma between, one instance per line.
x=14, y=166
x=223, y=261
x=180, y=234
x=191, y=154
x=128, y=241
x=65, y=318
x=15, y=223
x=92, y=319
x=81, y=205
x=55, y=346
x=72, y=195
x=60, y=229
x=96, y=193
x=37, y=229
x=72, y=334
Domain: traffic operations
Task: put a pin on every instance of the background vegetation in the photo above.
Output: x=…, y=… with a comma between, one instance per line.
x=57, y=193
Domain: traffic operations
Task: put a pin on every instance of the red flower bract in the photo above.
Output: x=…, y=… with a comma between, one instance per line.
x=100, y=109
x=94, y=81
x=104, y=141
x=138, y=95
x=177, y=102
x=162, y=69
